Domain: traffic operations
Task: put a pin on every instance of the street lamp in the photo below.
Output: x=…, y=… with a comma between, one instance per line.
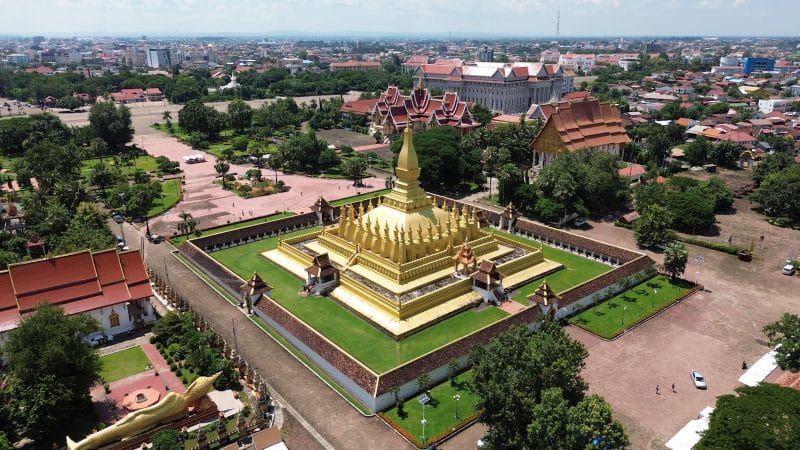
x=457, y=397
x=655, y=292
x=423, y=422
x=423, y=399
x=623, y=315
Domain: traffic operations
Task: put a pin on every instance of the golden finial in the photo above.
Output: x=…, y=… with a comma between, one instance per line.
x=407, y=165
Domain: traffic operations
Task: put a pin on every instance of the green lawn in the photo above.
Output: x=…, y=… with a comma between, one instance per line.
x=613, y=316
x=170, y=196
x=123, y=364
x=144, y=162
x=363, y=341
x=356, y=198
x=440, y=412
x=577, y=269
x=178, y=240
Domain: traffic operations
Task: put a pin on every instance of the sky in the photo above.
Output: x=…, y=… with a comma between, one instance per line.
x=462, y=18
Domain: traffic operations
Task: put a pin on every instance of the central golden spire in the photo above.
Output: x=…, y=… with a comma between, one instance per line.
x=407, y=164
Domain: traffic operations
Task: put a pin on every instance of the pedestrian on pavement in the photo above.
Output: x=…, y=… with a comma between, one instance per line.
x=673, y=388
x=658, y=389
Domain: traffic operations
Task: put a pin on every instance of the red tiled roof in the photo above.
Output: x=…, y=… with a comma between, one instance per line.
x=586, y=124
x=360, y=107
x=577, y=95
x=632, y=170
x=78, y=282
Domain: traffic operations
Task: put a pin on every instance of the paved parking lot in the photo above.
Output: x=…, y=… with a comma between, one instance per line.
x=712, y=331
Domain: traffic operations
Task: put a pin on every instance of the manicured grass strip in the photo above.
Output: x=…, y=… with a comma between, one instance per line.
x=168, y=199
x=613, y=316
x=440, y=412
x=577, y=269
x=358, y=198
x=143, y=162
x=357, y=336
x=312, y=366
x=178, y=240
x=124, y=363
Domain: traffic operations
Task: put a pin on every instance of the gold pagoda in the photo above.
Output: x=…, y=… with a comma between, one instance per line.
x=398, y=256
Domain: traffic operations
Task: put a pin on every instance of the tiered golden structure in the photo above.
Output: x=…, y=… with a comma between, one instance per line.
x=405, y=236
x=392, y=251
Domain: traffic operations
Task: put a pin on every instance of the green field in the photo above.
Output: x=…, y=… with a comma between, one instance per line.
x=440, y=412
x=178, y=240
x=168, y=199
x=123, y=364
x=613, y=316
x=144, y=162
x=577, y=269
x=358, y=198
x=359, y=338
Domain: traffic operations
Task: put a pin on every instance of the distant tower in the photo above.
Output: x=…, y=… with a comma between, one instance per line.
x=558, y=23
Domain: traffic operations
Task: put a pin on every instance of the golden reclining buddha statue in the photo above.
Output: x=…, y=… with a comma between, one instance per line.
x=171, y=407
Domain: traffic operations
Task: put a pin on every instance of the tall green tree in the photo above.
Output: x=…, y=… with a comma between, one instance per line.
x=222, y=168
x=51, y=370
x=354, y=167
x=195, y=116
x=240, y=115
x=779, y=193
x=167, y=440
x=187, y=223
x=530, y=365
x=770, y=164
x=653, y=227
x=675, y=258
x=762, y=417
x=111, y=123
x=786, y=333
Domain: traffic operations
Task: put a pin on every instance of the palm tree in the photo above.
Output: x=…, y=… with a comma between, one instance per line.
x=167, y=116
x=187, y=223
x=274, y=162
x=222, y=169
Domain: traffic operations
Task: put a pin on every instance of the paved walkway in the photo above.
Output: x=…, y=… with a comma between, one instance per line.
x=210, y=205
x=314, y=407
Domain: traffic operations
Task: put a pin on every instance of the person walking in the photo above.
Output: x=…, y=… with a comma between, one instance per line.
x=673, y=388
x=658, y=389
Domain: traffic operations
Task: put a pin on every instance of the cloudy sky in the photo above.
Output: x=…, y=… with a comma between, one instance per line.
x=529, y=18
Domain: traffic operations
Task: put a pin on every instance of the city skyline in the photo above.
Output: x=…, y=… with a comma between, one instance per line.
x=501, y=18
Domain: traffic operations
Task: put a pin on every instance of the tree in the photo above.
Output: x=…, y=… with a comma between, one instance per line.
x=691, y=209
x=240, y=115
x=531, y=365
x=166, y=115
x=111, y=123
x=275, y=162
x=786, y=332
x=101, y=177
x=195, y=116
x=302, y=152
x=187, y=223
x=51, y=369
x=770, y=164
x=779, y=193
x=167, y=440
x=725, y=153
x=509, y=179
x=762, y=417
x=86, y=230
x=590, y=424
x=697, y=152
x=721, y=195
x=653, y=227
x=354, y=167
x=69, y=102
x=481, y=114
x=222, y=168
x=675, y=258
x=5, y=444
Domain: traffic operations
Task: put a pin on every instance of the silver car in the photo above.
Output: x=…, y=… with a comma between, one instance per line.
x=698, y=380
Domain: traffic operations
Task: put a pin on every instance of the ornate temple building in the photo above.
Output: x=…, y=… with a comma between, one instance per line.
x=577, y=125
x=403, y=262
x=393, y=112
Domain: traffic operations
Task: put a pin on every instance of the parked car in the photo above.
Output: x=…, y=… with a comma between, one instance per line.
x=789, y=269
x=117, y=218
x=98, y=338
x=698, y=380
x=155, y=239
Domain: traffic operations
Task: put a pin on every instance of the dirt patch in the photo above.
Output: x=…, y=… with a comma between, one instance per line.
x=340, y=137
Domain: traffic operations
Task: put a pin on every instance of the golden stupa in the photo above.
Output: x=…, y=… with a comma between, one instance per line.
x=398, y=254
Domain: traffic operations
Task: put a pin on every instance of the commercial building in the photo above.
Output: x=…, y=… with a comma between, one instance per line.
x=358, y=66
x=653, y=47
x=112, y=287
x=776, y=104
x=486, y=54
x=504, y=87
x=578, y=125
x=750, y=65
x=159, y=58
x=18, y=58
x=578, y=61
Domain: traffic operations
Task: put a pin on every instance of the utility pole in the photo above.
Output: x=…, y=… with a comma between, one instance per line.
x=558, y=24
x=235, y=341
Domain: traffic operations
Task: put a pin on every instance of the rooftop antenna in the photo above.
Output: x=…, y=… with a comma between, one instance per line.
x=558, y=23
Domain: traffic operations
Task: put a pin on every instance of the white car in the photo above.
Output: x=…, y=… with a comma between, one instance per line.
x=97, y=339
x=698, y=380
x=788, y=269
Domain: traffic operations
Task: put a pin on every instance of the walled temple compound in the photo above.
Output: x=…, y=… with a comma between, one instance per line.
x=404, y=263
